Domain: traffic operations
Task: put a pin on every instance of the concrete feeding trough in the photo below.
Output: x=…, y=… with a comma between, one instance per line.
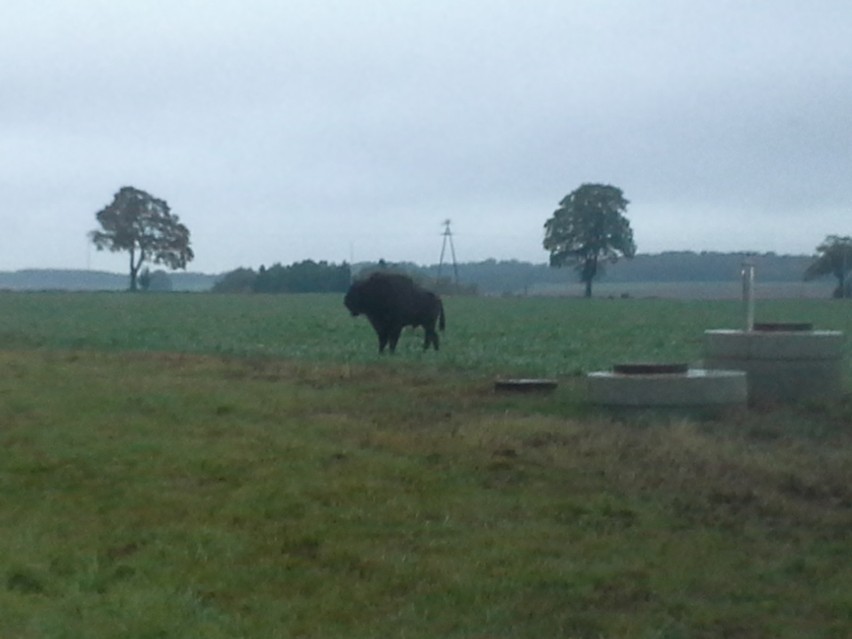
x=667, y=386
x=784, y=361
x=525, y=385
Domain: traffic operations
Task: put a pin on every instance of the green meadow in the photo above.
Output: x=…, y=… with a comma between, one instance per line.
x=195, y=465
x=485, y=336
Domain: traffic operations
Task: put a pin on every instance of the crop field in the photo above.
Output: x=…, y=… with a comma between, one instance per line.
x=196, y=465
x=486, y=336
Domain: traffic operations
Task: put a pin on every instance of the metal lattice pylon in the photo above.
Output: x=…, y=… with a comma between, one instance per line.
x=448, y=239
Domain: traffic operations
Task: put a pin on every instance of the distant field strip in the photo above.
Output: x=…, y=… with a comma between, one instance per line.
x=500, y=336
x=726, y=290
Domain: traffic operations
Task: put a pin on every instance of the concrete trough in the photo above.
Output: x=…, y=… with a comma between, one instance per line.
x=784, y=363
x=667, y=387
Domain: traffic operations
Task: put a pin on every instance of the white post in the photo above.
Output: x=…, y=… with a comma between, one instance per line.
x=748, y=295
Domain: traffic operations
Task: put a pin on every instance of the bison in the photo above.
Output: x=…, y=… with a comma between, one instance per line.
x=391, y=301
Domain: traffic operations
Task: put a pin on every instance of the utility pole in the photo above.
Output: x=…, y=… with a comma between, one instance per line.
x=448, y=238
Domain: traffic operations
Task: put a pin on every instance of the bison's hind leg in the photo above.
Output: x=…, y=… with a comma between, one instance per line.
x=387, y=337
x=430, y=338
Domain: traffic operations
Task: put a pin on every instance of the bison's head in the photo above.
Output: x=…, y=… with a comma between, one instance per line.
x=353, y=300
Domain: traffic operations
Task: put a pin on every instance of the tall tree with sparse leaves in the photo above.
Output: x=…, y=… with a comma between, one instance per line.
x=588, y=230
x=143, y=226
x=834, y=257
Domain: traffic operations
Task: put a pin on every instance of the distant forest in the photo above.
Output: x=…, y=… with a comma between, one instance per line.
x=512, y=277
x=489, y=277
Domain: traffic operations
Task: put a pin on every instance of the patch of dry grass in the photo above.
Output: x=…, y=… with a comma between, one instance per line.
x=168, y=495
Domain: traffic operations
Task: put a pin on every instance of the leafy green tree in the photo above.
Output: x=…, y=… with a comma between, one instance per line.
x=834, y=257
x=588, y=230
x=143, y=226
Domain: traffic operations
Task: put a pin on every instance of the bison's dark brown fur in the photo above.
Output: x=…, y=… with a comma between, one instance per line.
x=391, y=301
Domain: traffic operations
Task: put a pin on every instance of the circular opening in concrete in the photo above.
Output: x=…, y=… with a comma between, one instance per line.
x=525, y=385
x=787, y=327
x=647, y=368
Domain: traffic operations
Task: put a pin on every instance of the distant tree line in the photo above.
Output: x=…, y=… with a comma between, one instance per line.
x=708, y=266
x=427, y=277
x=301, y=277
x=489, y=277
x=157, y=281
x=497, y=277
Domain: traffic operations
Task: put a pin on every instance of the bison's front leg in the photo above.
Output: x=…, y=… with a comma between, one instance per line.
x=382, y=331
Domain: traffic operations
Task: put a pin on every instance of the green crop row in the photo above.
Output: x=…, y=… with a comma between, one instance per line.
x=501, y=336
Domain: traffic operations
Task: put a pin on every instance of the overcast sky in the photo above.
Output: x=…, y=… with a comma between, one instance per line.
x=281, y=130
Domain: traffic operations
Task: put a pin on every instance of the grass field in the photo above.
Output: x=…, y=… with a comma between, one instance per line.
x=222, y=466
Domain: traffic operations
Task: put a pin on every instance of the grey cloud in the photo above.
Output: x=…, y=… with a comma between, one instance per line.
x=280, y=131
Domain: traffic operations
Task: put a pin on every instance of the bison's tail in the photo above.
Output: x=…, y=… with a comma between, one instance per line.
x=441, y=322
